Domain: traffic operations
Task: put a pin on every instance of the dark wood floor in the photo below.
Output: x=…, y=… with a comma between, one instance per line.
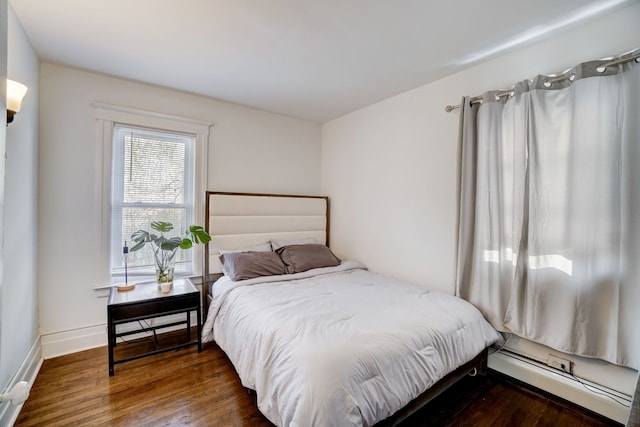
x=183, y=387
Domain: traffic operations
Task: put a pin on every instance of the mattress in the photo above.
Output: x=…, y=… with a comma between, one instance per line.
x=340, y=346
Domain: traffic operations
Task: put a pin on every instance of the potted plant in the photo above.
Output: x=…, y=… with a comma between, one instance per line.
x=165, y=248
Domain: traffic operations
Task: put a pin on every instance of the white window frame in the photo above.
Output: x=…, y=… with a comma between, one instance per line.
x=107, y=116
x=118, y=204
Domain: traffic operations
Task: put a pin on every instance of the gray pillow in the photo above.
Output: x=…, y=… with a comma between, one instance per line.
x=248, y=265
x=278, y=243
x=299, y=258
x=262, y=247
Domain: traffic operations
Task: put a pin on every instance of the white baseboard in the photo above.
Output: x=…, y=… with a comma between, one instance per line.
x=67, y=342
x=27, y=372
x=73, y=341
x=562, y=385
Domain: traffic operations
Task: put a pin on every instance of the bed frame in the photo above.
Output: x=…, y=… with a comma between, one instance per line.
x=476, y=366
x=236, y=220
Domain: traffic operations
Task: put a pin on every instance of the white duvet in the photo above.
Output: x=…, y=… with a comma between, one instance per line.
x=340, y=346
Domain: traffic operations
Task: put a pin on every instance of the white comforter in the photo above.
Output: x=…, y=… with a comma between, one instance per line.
x=340, y=346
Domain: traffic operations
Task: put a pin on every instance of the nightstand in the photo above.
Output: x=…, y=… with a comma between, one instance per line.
x=146, y=301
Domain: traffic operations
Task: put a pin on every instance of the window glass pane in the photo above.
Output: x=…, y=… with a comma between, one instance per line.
x=153, y=169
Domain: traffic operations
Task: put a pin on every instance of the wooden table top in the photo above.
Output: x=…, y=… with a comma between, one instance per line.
x=150, y=291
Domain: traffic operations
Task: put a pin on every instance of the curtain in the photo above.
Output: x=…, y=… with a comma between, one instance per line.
x=549, y=218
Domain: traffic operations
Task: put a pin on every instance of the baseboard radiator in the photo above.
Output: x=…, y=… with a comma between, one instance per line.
x=594, y=397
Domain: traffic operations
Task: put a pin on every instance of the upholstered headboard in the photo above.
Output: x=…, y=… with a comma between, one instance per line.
x=236, y=220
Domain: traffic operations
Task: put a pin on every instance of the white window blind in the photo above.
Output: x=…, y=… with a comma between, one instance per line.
x=152, y=180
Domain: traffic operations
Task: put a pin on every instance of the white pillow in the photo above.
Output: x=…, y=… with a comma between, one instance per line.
x=278, y=243
x=261, y=247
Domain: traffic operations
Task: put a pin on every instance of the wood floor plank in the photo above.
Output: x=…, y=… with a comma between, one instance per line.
x=184, y=388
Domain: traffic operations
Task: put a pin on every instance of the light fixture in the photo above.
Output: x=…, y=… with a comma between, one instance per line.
x=15, y=92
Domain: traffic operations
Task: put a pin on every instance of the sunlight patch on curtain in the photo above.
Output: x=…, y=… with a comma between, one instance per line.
x=557, y=261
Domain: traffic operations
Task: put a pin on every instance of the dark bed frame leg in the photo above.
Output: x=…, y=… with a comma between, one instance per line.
x=482, y=367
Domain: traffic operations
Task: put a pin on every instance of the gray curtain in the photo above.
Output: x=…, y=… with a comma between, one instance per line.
x=549, y=197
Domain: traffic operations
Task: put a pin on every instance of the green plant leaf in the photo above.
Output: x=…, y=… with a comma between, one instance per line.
x=139, y=237
x=169, y=244
x=186, y=244
x=196, y=234
x=162, y=226
x=199, y=235
x=137, y=246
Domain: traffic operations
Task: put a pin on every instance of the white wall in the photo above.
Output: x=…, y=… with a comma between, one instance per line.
x=19, y=302
x=390, y=168
x=249, y=150
x=4, y=371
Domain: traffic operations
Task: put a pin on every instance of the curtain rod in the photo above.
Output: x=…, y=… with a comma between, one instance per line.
x=477, y=99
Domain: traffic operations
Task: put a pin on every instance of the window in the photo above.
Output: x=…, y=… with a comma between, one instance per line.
x=152, y=180
x=152, y=166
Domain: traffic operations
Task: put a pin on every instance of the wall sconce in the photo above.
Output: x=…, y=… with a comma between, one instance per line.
x=15, y=92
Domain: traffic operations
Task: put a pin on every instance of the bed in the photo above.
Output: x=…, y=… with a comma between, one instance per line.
x=324, y=341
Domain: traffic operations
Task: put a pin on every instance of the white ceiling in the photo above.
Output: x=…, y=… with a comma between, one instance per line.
x=312, y=59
